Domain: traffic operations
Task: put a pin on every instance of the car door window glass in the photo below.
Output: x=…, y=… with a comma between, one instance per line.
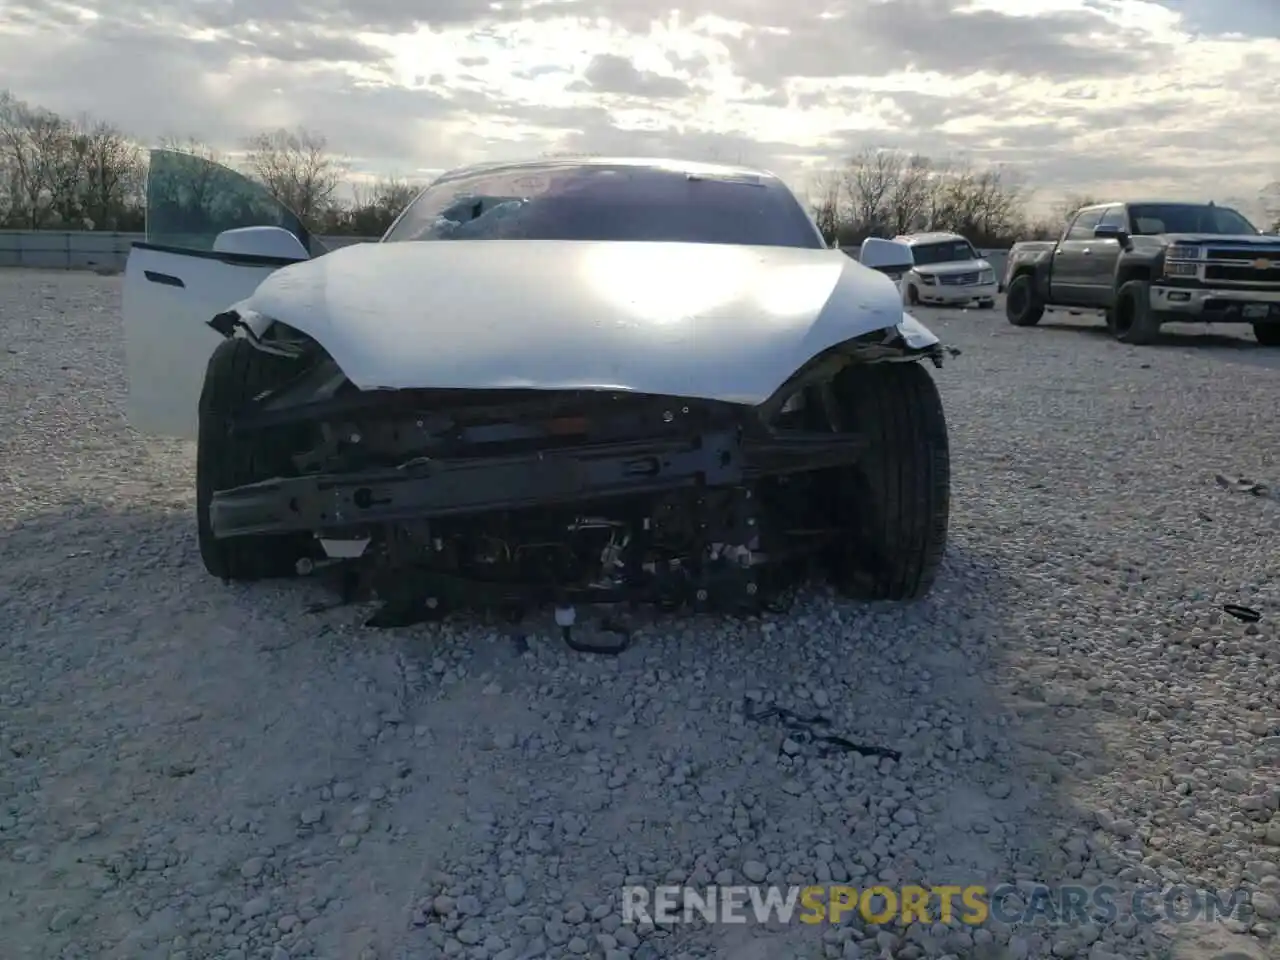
x=1113, y=217
x=190, y=200
x=1082, y=229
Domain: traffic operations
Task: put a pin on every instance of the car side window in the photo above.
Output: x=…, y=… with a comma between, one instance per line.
x=1085, y=221
x=191, y=199
x=1113, y=217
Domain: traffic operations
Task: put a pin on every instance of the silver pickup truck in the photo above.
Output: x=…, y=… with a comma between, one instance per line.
x=1150, y=263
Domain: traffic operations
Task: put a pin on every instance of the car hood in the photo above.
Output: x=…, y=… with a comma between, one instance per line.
x=1226, y=240
x=714, y=321
x=948, y=269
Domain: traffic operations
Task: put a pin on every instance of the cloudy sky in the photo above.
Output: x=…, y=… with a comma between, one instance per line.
x=1126, y=97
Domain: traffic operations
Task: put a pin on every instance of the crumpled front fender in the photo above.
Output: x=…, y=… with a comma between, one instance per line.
x=915, y=334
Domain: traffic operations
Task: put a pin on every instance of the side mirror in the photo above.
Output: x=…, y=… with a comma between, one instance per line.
x=1112, y=233
x=274, y=242
x=887, y=256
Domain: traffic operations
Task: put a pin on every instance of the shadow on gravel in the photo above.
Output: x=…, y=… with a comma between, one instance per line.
x=1239, y=349
x=194, y=705
x=980, y=797
x=1182, y=337
x=89, y=562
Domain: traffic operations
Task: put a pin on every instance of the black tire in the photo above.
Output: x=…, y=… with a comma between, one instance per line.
x=986, y=304
x=913, y=295
x=895, y=503
x=1023, y=306
x=236, y=373
x=1131, y=320
x=1267, y=334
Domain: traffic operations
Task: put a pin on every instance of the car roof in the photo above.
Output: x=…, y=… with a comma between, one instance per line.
x=911, y=239
x=1153, y=203
x=688, y=167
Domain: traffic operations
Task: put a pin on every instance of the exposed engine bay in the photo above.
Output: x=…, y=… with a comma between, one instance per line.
x=440, y=499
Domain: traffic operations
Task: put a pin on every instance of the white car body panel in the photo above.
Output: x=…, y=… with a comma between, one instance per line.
x=712, y=321
x=167, y=335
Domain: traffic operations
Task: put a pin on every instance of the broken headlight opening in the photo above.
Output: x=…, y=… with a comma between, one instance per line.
x=438, y=500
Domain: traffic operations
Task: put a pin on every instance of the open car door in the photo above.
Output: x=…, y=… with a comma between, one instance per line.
x=212, y=236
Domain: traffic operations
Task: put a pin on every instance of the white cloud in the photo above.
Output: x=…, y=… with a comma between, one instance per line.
x=1121, y=97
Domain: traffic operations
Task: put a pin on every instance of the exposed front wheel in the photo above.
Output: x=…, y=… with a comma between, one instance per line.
x=1023, y=307
x=986, y=304
x=895, y=503
x=1267, y=334
x=913, y=295
x=237, y=372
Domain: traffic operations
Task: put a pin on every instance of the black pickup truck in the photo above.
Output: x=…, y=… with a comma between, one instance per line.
x=1146, y=264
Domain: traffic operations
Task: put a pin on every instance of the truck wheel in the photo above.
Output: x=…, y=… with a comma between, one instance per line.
x=913, y=295
x=895, y=503
x=236, y=373
x=1267, y=334
x=1131, y=320
x=1023, y=306
x=986, y=304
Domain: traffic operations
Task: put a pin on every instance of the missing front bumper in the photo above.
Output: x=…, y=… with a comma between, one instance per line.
x=426, y=489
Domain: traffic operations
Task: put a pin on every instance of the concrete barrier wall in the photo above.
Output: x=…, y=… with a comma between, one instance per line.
x=83, y=250
x=71, y=250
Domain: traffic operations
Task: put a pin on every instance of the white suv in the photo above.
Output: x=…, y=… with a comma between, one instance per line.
x=948, y=271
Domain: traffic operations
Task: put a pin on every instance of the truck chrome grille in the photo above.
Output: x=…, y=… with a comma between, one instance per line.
x=1243, y=266
x=959, y=279
x=1242, y=273
x=1246, y=254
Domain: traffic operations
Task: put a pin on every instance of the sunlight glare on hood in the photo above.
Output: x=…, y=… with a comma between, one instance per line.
x=798, y=289
x=662, y=284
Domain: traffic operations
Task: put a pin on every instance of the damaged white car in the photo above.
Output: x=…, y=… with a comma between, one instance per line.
x=556, y=381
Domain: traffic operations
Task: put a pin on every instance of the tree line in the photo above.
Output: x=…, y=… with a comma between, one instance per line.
x=63, y=173
x=884, y=192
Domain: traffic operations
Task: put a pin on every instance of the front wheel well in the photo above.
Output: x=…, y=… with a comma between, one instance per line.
x=266, y=335
x=1133, y=272
x=1032, y=273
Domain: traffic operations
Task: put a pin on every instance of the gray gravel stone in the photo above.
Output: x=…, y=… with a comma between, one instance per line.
x=265, y=779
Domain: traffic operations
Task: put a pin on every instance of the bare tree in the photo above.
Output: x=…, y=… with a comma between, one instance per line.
x=869, y=179
x=374, y=207
x=882, y=192
x=909, y=194
x=826, y=193
x=297, y=168
x=55, y=172
x=890, y=192
x=33, y=145
x=982, y=205
x=1066, y=208
x=112, y=184
x=1271, y=206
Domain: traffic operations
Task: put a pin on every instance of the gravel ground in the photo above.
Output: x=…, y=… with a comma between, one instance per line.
x=190, y=770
